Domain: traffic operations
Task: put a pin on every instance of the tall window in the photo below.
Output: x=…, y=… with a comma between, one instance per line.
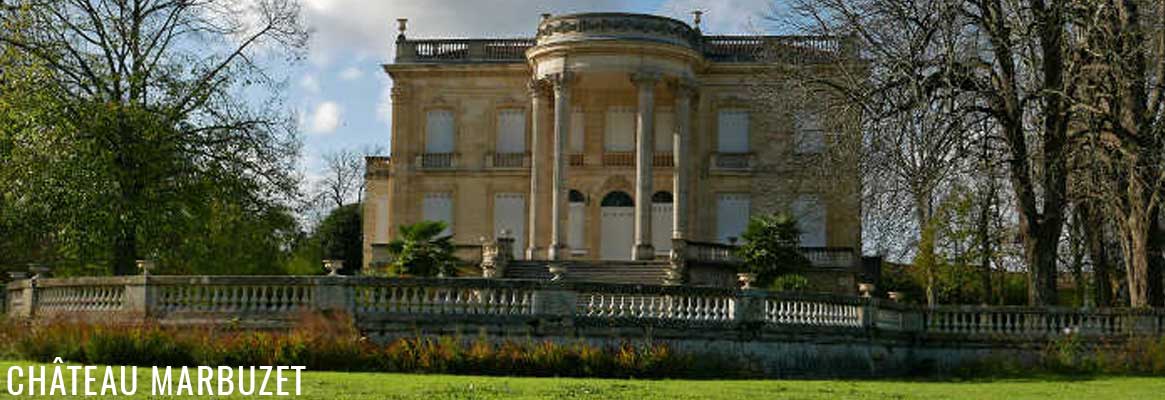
x=510, y=219
x=619, y=133
x=511, y=131
x=732, y=211
x=439, y=131
x=661, y=221
x=576, y=216
x=438, y=206
x=809, y=136
x=381, y=224
x=732, y=131
x=810, y=214
x=577, y=130
x=665, y=123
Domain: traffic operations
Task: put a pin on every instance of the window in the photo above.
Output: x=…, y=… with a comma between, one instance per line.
x=381, y=224
x=577, y=130
x=439, y=207
x=576, y=217
x=732, y=131
x=810, y=214
x=661, y=222
x=511, y=131
x=510, y=219
x=665, y=123
x=809, y=136
x=732, y=211
x=439, y=132
x=619, y=135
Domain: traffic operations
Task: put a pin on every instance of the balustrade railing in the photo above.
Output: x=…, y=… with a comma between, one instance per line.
x=507, y=160
x=576, y=159
x=619, y=158
x=710, y=252
x=198, y=299
x=437, y=160
x=733, y=162
x=663, y=159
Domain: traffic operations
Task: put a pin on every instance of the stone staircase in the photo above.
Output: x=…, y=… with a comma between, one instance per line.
x=630, y=272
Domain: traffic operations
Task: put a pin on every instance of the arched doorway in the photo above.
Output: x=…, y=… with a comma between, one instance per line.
x=661, y=222
x=618, y=226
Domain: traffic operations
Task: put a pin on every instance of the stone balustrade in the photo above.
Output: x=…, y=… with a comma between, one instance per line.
x=199, y=299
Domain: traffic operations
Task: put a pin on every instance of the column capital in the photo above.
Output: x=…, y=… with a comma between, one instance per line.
x=685, y=88
x=645, y=78
x=538, y=88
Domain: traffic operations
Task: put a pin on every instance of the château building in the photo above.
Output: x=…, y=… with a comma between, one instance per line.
x=610, y=140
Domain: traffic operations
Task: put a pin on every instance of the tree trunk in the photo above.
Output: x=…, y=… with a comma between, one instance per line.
x=985, y=247
x=1097, y=254
x=1156, y=263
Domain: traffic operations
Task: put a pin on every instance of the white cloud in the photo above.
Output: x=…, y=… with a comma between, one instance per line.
x=384, y=103
x=309, y=83
x=727, y=17
x=326, y=118
x=351, y=74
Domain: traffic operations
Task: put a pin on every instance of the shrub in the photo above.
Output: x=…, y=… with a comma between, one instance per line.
x=790, y=283
x=771, y=247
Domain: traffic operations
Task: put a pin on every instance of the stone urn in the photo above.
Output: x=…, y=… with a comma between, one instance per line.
x=333, y=267
x=146, y=266
x=866, y=289
x=557, y=272
x=39, y=271
x=18, y=275
x=746, y=279
x=896, y=297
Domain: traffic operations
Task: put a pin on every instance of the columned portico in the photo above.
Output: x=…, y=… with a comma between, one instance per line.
x=644, y=156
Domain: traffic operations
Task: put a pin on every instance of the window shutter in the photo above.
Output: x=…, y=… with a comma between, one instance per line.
x=439, y=132
x=439, y=207
x=664, y=127
x=732, y=128
x=619, y=134
x=810, y=136
x=810, y=214
x=511, y=131
x=732, y=211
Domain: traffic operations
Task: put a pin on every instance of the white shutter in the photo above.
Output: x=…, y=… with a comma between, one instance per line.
x=732, y=131
x=661, y=227
x=577, y=130
x=439, y=132
x=809, y=136
x=619, y=134
x=511, y=131
x=439, y=207
x=380, y=234
x=810, y=214
x=509, y=212
x=732, y=211
x=576, y=233
x=664, y=127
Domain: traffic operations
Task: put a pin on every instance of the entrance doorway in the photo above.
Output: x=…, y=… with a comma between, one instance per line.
x=618, y=226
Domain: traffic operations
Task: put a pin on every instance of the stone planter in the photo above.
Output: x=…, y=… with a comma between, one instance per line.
x=866, y=289
x=746, y=279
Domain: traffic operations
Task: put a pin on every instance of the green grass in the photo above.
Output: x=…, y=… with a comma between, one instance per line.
x=339, y=385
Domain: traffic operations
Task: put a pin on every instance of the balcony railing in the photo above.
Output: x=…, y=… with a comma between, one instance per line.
x=377, y=166
x=437, y=160
x=619, y=159
x=831, y=257
x=733, y=162
x=507, y=160
x=576, y=159
x=663, y=159
x=819, y=257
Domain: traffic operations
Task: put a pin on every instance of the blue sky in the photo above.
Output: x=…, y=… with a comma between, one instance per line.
x=340, y=92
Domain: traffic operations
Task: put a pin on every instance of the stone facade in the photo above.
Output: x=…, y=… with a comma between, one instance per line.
x=580, y=87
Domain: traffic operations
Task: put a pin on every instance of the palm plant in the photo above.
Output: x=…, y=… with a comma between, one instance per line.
x=771, y=247
x=420, y=250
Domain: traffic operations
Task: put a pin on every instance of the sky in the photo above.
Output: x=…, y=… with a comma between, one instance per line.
x=341, y=93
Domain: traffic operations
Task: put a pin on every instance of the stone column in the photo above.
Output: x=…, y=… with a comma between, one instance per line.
x=644, y=144
x=683, y=108
x=558, y=181
x=537, y=103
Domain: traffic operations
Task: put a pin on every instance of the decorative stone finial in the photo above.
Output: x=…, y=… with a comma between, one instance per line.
x=401, y=26
x=39, y=271
x=333, y=267
x=696, y=19
x=146, y=266
x=545, y=16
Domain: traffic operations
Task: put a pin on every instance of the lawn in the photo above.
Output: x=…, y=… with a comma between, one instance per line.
x=338, y=386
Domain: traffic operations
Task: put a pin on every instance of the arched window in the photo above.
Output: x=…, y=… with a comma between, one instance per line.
x=661, y=197
x=576, y=197
x=617, y=199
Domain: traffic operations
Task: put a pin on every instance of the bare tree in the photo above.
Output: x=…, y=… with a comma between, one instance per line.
x=342, y=182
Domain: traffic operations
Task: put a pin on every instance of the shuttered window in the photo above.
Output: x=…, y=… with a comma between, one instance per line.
x=810, y=214
x=511, y=131
x=665, y=123
x=510, y=220
x=577, y=130
x=810, y=135
x=732, y=131
x=619, y=133
x=439, y=131
x=732, y=211
x=439, y=207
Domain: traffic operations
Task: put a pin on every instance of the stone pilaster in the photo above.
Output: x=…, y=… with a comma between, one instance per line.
x=644, y=146
x=558, y=196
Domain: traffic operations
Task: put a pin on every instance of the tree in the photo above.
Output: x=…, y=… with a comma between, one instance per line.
x=420, y=250
x=340, y=235
x=150, y=118
x=343, y=179
x=770, y=247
